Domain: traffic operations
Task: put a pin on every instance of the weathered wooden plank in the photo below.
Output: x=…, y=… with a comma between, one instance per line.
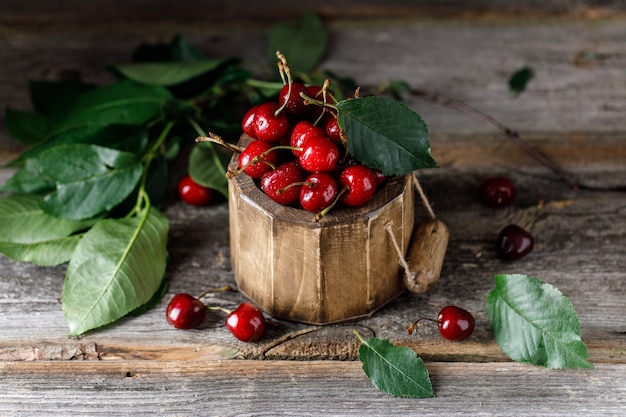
x=577, y=88
x=273, y=388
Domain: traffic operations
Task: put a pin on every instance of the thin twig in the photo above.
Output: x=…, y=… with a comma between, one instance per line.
x=514, y=136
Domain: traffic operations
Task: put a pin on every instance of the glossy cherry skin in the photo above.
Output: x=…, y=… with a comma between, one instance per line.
x=258, y=158
x=268, y=125
x=247, y=123
x=360, y=182
x=497, y=192
x=514, y=242
x=283, y=184
x=185, y=311
x=303, y=131
x=455, y=323
x=246, y=323
x=318, y=192
x=331, y=127
x=193, y=193
x=294, y=102
x=319, y=154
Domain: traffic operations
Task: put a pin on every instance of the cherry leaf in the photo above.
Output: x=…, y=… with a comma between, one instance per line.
x=534, y=323
x=126, y=273
x=386, y=134
x=395, y=370
x=207, y=166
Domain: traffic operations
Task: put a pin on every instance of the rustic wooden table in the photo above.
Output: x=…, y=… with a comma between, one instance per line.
x=573, y=111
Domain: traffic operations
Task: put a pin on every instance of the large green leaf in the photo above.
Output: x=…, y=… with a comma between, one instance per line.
x=166, y=73
x=385, y=134
x=534, y=323
x=23, y=221
x=50, y=253
x=124, y=137
x=303, y=45
x=90, y=180
x=117, y=266
x=395, y=370
x=28, y=127
x=25, y=181
x=125, y=102
x=207, y=166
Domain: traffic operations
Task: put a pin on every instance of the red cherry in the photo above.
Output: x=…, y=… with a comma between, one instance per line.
x=318, y=192
x=257, y=158
x=332, y=129
x=514, y=242
x=283, y=184
x=314, y=111
x=301, y=132
x=185, y=311
x=497, y=192
x=268, y=125
x=246, y=323
x=455, y=323
x=247, y=123
x=319, y=154
x=360, y=182
x=193, y=193
x=294, y=102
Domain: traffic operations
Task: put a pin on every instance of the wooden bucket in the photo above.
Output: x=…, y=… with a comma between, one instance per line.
x=344, y=267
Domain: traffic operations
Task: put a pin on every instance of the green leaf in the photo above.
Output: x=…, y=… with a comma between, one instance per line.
x=303, y=45
x=50, y=253
x=25, y=181
x=124, y=137
x=125, y=274
x=207, y=166
x=55, y=99
x=519, y=79
x=27, y=127
x=23, y=221
x=385, y=134
x=125, y=102
x=395, y=370
x=167, y=73
x=90, y=180
x=534, y=323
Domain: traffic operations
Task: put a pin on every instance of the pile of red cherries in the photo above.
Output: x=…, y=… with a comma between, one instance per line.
x=298, y=153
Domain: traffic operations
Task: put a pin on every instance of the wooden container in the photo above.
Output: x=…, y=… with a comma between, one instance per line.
x=342, y=268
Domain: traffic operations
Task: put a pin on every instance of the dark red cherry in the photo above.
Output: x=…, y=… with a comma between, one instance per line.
x=185, y=311
x=514, y=242
x=455, y=323
x=283, y=184
x=360, y=183
x=294, y=102
x=497, y=192
x=268, y=125
x=318, y=192
x=319, y=154
x=332, y=129
x=193, y=193
x=258, y=158
x=246, y=323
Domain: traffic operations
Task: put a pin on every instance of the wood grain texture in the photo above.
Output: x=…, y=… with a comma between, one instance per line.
x=277, y=388
x=573, y=111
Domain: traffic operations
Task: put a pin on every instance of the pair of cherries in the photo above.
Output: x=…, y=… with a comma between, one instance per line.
x=246, y=322
x=513, y=242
